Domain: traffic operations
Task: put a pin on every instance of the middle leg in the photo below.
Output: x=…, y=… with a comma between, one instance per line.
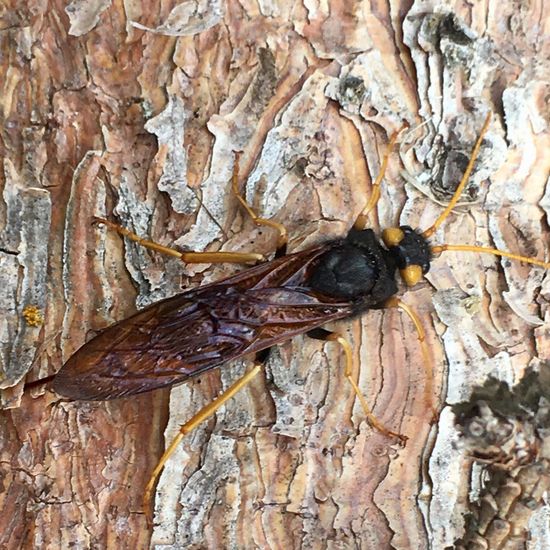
x=327, y=336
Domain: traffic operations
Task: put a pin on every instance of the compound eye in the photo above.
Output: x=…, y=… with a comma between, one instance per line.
x=411, y=274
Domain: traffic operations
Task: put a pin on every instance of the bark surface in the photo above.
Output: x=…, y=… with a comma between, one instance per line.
x=133, y=111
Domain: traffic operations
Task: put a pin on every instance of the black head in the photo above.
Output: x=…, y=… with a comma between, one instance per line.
x=410, y=251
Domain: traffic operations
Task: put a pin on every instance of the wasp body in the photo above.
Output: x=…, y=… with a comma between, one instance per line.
x=190, y=333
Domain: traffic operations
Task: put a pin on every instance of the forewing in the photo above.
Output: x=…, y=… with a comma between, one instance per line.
x=185, y=335
x=136, y=355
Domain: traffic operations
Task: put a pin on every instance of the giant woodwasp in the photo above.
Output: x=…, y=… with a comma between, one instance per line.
x=183, y=336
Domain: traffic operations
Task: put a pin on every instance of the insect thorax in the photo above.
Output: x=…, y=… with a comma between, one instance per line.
x=356, y=268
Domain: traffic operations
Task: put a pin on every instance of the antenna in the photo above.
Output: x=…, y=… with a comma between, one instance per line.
x=475, y=152
x=466, y=247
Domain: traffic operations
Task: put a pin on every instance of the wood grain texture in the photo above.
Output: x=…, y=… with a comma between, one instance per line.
x=132, y=110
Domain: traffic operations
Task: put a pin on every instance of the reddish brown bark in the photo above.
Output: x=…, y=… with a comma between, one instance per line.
x=104, y=118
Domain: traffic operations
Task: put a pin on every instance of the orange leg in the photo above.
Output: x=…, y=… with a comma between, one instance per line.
x=428, y=368
x=191, y=424
x=327, y=336
x=283, y=238
x=362, y=219
x=188, y=257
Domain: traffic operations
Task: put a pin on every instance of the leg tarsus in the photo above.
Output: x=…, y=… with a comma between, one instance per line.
x=362, y=219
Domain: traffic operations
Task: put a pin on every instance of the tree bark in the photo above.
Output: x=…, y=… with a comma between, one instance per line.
x=133, y=111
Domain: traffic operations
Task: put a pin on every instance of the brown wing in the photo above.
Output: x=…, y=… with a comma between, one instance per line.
x=185, y=335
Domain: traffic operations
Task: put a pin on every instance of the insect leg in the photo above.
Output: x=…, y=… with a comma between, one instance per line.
x=327, y=336
x=428, y=388
x=362, y=219
x=192, y=423
x=188, y=257
x=283, y=238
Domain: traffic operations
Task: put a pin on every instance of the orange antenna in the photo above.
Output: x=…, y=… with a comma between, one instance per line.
x=362, y=219
x=485, y=250
x=475, y=152
x=466, y=247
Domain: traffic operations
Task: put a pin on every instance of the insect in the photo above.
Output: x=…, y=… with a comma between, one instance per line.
x=181, y=337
